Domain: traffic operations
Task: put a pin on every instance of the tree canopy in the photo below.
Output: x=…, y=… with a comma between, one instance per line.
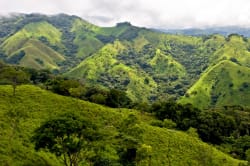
x=66, y=137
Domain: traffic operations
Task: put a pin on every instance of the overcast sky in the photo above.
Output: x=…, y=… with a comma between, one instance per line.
x=147, y=13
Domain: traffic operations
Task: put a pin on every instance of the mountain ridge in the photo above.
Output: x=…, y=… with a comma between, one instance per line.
x=222, y=30
x=148, y=65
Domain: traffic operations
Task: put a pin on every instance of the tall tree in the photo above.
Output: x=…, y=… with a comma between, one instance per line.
x=14, y=76
x=66, y=137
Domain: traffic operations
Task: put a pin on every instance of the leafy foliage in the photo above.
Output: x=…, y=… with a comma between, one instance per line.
x=148, y=65
x=13, y=76
x=35, y=107
x=65, y=137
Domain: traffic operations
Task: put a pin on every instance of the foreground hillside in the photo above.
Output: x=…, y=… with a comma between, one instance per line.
x=22, y=114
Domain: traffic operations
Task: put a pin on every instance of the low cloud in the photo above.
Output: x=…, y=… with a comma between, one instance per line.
x=150, y=13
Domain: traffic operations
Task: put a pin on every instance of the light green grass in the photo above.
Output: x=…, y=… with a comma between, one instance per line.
x=20, y=115
x=32, y=30
x=85, y=38
x=224, y=80
x=165, y=64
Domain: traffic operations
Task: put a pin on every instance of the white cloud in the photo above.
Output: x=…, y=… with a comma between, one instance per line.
x=150, y=13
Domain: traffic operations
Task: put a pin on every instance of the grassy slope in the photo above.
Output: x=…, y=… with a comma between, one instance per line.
x=105, y=62
x=19, y=117
x=35, y=51
x=236, y=48
x=85, y=38
x=37, y=55
x=223, y=82
x=165, y=64
x=44, y=29
x=178, y=65
x=32, y=30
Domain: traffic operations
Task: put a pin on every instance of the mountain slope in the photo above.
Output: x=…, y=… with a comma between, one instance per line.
x=224, y=84
x=226, y=81
x=32, y=106
x=104, y=62
x=148, y=65
x=25, y=48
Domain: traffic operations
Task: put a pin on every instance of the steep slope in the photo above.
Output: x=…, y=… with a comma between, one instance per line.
x=224, y=84
x=226, y=81
x=25, y=48
x=32, y=30
x=149, y=65
x=85, y=38
x=236, y=49
x=20, y=115
x=104, y=63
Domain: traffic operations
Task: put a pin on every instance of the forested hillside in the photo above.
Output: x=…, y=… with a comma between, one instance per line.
x=148, y=65
x=118, y=131
x=73, y=93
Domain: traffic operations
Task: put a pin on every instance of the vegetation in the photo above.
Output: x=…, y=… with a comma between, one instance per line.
x=184, y=90
x=147, y=65
x=65, y=137
x=13, y=76
x=26, y=114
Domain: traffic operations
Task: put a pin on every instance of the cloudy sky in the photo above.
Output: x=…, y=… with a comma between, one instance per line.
x=147, y=13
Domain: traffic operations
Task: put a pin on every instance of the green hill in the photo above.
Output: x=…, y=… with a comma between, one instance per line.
x=25, y=48
x=105, y=63
x=148, y=65
x=22, y=114
x=226, y=81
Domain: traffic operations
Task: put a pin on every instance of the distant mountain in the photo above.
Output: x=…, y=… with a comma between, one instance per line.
x=207, y=71
x=225, y=31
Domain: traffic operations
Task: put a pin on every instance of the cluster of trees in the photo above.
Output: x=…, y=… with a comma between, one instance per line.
x=12, y=75
x=15, y=76
x=220, y=127
x=71, y=137
x=228, y=128
x=74, y=88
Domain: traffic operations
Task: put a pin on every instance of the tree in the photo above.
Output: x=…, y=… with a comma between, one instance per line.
x=14, y=76
x=118, y=99
x=66, y=137
x=184, y=116
x=213, y=126
x=130, y=138
x=241, y=147
x=62, y=86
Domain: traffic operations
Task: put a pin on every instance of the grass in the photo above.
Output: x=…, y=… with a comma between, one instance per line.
x=32, y=30
x=85, y=38
x=31, y=106
x=148, y=65
x=105, y=62
x=165, y=64
x=44, y=29
x=225, y=81
x=37, y=54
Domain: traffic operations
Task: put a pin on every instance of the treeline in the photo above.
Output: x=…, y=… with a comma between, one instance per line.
x=16, y=75
x=227, y=128
x=76, y=140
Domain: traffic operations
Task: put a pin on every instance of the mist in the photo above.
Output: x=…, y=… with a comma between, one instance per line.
x=150, y=13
